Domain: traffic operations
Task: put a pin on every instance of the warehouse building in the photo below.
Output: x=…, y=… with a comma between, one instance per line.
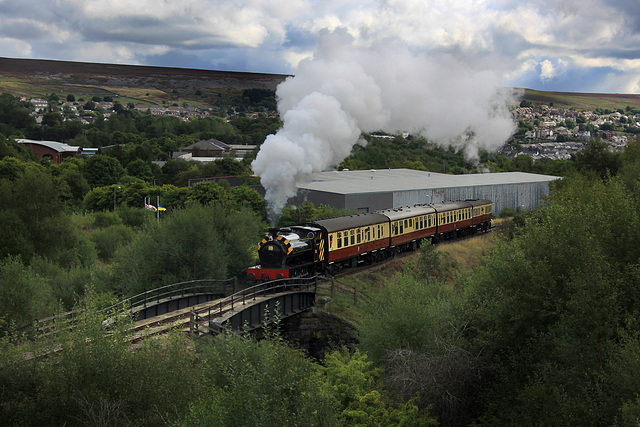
x=371, y=190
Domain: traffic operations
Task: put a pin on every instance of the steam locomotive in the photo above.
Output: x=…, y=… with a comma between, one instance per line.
x=327, y=246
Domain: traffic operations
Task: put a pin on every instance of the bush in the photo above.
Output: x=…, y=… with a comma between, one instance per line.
x=278, y=384
x=134, y=217
x=108, y=240
x=24, y=296
x=199, y=242
x=105, y=219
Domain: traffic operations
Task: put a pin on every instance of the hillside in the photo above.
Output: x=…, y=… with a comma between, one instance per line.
x=157, y=85
x=39, y=78
x=583, y=101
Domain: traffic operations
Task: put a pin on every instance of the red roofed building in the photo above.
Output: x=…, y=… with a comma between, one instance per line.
x=56, y=151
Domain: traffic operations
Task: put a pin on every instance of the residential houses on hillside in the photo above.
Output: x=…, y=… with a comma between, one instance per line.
x=550, y=137
x=553, y=133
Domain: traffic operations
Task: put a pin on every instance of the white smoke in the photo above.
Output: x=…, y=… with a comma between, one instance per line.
x=345, y=90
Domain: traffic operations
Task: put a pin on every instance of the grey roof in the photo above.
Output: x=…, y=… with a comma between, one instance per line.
x=209, y=144
x=389, y=180
x=60, y=147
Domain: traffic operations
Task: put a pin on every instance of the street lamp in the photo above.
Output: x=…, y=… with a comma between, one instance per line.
x=114, y=198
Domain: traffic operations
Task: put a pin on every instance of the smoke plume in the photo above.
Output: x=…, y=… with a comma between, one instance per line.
x=345, y=90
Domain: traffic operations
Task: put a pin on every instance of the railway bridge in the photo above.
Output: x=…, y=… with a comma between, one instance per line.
x=199, y=307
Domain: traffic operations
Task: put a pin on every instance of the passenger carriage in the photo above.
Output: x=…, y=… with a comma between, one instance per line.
x=410, y=224
x=353, y=238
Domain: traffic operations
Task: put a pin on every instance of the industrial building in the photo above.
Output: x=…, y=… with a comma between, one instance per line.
x=371, y=190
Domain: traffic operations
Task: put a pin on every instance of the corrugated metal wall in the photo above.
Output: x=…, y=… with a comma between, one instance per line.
x=514, y=196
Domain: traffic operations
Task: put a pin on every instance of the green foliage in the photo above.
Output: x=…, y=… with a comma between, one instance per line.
x=140, y=169
x=551, y=303
x=23, y=295
x=66, y=285
x=95, y=379
x=14, y=117
x=354, y=382
x=100, y=170
x=384, y=154
x=194, y=243
x=35, y=221
x=106, y=219
x=259, y=383
x=108, y=240
x=416, y=333
x=428, y=263
x=408, y=315
x=597, y=158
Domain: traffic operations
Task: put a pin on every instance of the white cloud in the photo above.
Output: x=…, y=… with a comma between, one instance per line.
x=547, y=70
x=14, y=48
x=505, y=35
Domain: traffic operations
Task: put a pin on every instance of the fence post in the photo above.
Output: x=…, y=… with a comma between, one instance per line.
x=192, y=318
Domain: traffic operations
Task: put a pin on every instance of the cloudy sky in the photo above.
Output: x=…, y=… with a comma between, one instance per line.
x=558, y=45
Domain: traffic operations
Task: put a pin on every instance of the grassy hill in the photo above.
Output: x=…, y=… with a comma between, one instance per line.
x=158, y=85
x=582, y=101
x=127, y=83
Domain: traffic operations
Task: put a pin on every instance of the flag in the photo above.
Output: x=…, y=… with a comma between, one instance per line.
x=150, y=208
x=161, y=208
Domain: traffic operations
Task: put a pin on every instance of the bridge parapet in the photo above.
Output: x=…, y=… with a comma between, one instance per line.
x=142, y=305
x=246, y=309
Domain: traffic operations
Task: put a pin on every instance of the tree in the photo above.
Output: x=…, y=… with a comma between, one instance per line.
x=198, y=242
x=276, y=382
x=23, y=295
x=71, y=98
x=597, y=158
x=415, y=334
x=551, y=306
x=95, y=378
x=354, y=381
x=141, y=169
x=570, y=123
x=34, y=200
x=101, y=170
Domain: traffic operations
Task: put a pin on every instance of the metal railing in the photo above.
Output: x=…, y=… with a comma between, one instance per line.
x=199, y=319
x=337, y=287
x=128, y=306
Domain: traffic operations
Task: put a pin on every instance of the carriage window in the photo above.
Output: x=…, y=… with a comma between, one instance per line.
x=353, y=237
x=359, y=236
x=339, y=239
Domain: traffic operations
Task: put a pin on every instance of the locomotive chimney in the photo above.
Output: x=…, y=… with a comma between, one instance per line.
x=273, y=232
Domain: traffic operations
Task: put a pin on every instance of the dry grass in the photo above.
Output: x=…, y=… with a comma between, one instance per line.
x=465, y=255
x=457, y=258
